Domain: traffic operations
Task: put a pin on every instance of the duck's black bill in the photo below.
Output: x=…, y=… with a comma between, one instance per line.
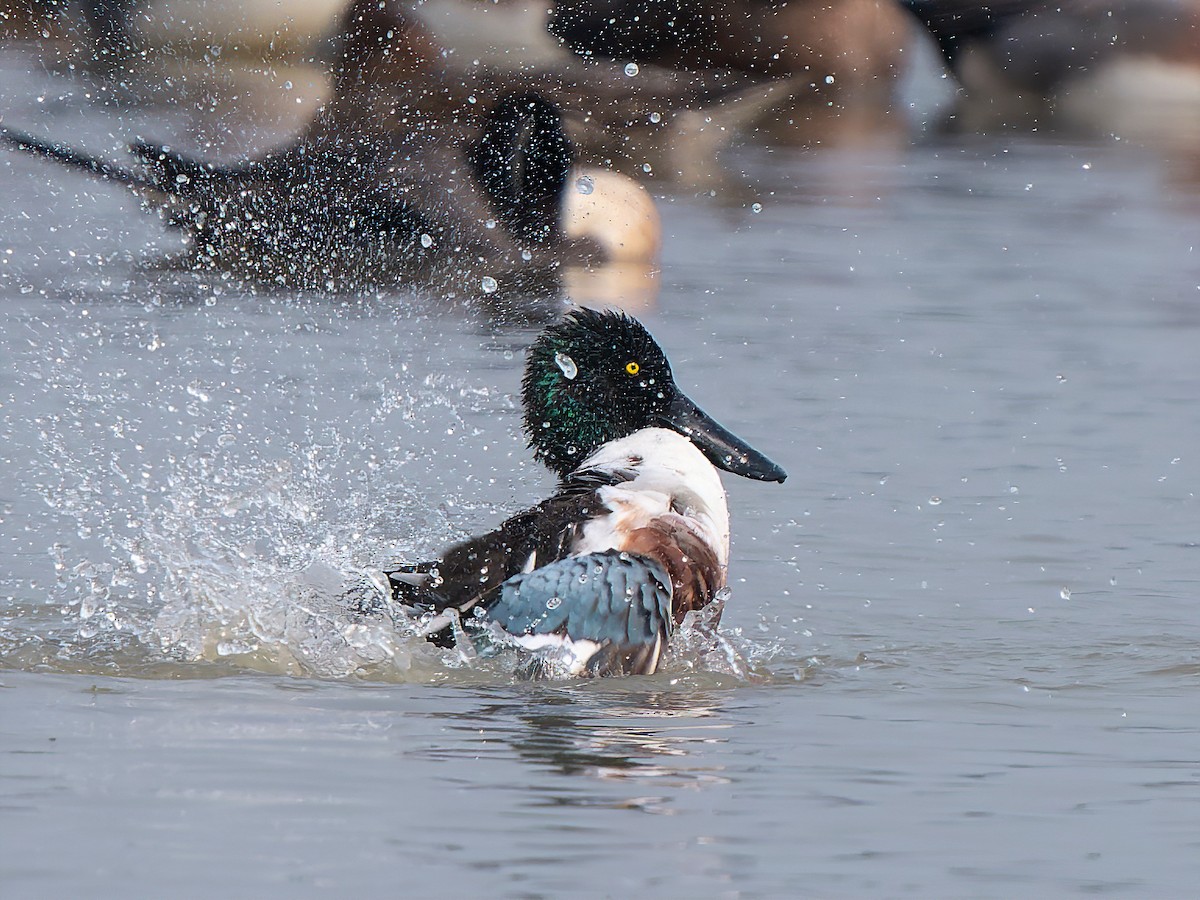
x=724, y=449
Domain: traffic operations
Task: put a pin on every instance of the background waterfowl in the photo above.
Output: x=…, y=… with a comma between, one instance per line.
x=368, y=208
x=856, y=44
x=786, y=64
x=635, y=537
x=645, y=121
x=402, y=175
x=1103, y=66
x=838, y=63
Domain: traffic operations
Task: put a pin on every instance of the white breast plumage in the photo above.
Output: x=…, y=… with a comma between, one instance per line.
x=672, y=479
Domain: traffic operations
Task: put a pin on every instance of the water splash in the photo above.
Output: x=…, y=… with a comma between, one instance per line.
x=221, y=510
x=216, y=524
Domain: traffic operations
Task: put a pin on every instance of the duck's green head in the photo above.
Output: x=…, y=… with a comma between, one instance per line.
x=597, y=377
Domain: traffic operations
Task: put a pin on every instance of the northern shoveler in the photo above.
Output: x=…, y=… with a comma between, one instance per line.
x=595, y=578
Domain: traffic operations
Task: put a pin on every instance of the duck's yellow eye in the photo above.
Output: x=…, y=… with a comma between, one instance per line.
x=632, y=368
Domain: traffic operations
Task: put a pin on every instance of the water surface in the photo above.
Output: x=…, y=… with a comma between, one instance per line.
x=963, y=649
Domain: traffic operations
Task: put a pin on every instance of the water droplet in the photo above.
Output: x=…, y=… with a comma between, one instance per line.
x=1065, y=593
x=756, y=208
x=490, y=223
x=935, y=501
x=655, y=117
x=195, y=390
x=553, y=603
x=632, y=69
x=489, y=285
x=567, y=365
x=426, y=241
x=527, y=255
x=584, y=184
x=647, y=168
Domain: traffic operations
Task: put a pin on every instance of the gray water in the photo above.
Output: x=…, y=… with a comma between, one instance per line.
x=963, y=653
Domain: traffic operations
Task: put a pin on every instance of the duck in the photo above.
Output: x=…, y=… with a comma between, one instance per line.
x=1128, y=65
x=595, y=579
x=405, y=175
x=644, y=121
x=807, y=72
x=856, y=44
x=356, y=209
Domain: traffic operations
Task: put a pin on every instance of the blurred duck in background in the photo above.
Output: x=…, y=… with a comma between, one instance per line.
x=401, y=176
x=847, y=46
x=619, y=116
x=1126, y=67
x=825, y=70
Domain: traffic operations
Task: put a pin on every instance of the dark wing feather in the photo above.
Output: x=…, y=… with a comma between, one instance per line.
x=471, y=573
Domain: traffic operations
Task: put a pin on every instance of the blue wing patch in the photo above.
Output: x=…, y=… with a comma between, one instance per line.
x=617, y=600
